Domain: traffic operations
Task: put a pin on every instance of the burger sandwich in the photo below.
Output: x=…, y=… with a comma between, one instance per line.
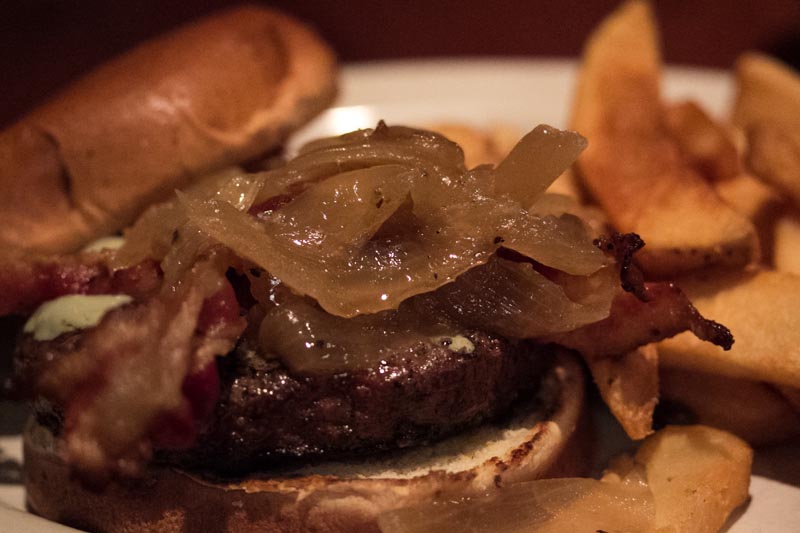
x=304, y=348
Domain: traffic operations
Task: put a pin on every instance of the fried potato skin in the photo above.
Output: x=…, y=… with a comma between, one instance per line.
x=633, y=167
x=698, y=476
x=760, y=308
x=751, y=410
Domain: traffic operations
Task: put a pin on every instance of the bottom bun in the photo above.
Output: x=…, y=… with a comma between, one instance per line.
x=546, y=437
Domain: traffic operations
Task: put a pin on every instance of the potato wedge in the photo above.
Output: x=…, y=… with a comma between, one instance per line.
x=754, y=411
x=620, y=74
x=706, y=144
x=786, y=243
x=750, y=196
x=774, y=156
x=761, y=309
x=768, y=91
x=629, y=386
x=632, y=166
x=698, y=476
x=757, y=201
x=791, y=395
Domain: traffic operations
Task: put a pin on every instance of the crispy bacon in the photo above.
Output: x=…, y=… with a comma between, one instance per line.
x=143, y=374
x=177, y=429
x=622, y=247
x=633, y=323
x=27, y=282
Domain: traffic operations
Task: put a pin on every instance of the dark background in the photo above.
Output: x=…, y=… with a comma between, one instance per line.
x=45, y=43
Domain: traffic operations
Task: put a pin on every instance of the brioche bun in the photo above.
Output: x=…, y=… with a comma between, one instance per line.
x=208, y=95
x=544, y=438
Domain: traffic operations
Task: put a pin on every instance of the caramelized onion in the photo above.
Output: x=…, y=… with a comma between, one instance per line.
x=502, y=297
x=313, y=244
x=412, y=148
x=397, y=216
x=559, y=242
x=308, y=340
x=151, y=236
x=375, y=218
x=535, y=162
x=159, y=228
x=337, y=216
x=515, y=300
x=545, y=505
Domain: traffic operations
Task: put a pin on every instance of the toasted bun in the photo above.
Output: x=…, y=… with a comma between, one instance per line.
x=208, y=95
x=543, y=439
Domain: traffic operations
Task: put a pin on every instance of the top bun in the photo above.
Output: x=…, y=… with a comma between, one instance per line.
x=210, y=94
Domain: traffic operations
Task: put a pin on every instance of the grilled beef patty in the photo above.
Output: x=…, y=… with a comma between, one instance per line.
x=266, y=415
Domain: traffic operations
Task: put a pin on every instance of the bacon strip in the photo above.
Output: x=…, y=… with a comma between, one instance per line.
x=128, y=376
x=623, y=246
x=27, y=282
x=633, y=323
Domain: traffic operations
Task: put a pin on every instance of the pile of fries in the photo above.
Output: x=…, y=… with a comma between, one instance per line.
x=717, y=202
x=717, y=205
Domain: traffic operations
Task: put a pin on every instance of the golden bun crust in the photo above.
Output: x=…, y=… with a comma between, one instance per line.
x=207, y=95
x=334, y=497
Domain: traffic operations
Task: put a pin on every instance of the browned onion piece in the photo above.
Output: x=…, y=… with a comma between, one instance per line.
x=515, y=300
x=232, y=185
x=311, y=243
x=412, y=148
x=338, y=215
x=188, y=244
x=535, y=162
x=159, y=228
x=239, y=190
x=151, y=236
x=307, y=339
x=400, y=143
x=376, y=217
x=385, y=274
x=557, y=242
x=323, y=243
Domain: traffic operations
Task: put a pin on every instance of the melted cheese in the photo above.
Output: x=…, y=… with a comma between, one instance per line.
x=105, y=243
x=70, y=313
x=456, y=343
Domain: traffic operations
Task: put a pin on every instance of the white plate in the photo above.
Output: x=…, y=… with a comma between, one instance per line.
x=522, y=93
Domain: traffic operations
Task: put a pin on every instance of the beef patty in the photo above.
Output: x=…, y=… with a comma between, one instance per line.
x=267, y=416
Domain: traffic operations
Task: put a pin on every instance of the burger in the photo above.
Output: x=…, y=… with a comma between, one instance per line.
x=367, y=326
